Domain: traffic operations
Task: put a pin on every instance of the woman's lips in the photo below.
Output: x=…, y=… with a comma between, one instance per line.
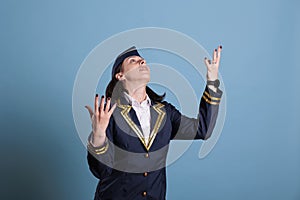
x=143, y=69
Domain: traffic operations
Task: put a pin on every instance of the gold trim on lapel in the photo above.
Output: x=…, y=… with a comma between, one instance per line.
x=161, y=114
x=157, y=107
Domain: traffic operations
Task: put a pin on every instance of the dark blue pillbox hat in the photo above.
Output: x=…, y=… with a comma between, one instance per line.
x=132, y=51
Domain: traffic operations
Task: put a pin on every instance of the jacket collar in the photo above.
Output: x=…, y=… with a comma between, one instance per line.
x=157, y=113
x=133, y=102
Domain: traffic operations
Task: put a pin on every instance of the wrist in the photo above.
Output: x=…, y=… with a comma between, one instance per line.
x=212, y=79
x=211, y=76
x=215, y=83
x=98, y=140
x=99, y=133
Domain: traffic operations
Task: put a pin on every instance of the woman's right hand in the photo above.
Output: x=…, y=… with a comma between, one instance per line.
x=100, y=119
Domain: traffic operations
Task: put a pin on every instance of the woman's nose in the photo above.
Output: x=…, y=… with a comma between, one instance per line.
x=142, y=62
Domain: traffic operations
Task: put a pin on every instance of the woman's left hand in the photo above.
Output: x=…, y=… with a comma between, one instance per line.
x=213, y=65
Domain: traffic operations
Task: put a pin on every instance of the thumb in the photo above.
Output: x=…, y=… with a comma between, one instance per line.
x=90, y=110
x=207, y=62
x=113, y=108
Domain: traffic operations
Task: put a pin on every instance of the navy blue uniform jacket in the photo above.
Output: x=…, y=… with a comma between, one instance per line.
x=129, y=168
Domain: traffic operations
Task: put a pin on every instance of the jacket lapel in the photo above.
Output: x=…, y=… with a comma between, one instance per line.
x=157, y=117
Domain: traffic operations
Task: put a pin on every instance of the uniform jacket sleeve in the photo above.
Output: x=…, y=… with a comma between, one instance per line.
x=100, y=159
x=186, y=128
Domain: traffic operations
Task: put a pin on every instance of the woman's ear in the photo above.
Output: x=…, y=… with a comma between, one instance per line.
x=119, y=76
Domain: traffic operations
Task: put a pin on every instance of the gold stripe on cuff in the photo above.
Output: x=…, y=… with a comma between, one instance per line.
x=211, y=97
x=101, y=149
x=210, y=102
x=98, y=151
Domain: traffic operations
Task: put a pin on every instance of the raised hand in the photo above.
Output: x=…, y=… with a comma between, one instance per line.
x=100, y=119
x=213, y=65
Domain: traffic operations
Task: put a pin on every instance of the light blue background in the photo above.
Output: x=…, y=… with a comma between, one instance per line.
x=43, y=44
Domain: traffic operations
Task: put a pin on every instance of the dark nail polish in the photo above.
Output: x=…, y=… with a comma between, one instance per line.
x=96, y=95
x=102, y=96
x=220, y=46
x=215, y=49
x=108, y=98
x=205, y=58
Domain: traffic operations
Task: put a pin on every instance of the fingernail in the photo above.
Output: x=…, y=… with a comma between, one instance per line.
x=102, y=96
x=96, y=95
x=205, y=58
x=215, y=49
x=220, y=46
x=108, y=98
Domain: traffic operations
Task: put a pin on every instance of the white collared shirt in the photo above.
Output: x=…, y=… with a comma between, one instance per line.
x=142, y=111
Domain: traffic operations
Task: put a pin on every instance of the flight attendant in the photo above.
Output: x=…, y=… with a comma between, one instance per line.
x=132, y=127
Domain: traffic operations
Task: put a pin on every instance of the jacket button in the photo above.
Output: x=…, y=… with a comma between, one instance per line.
x=147, y=155
x=145, y=174
x=144, y=193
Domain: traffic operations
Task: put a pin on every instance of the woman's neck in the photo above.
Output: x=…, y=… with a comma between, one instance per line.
x=138, y=93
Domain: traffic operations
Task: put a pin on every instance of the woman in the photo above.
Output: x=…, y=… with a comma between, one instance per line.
x=129, y=142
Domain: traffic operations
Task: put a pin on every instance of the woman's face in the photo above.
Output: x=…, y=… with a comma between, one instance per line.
x=134, y=68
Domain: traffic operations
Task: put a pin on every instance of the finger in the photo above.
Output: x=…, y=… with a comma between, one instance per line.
x=113, y=108
x=206, y=61
x=215, y=55
x=219, y=53
x=107, y=104
x=102, y=104
x=90, y=110
x=96, y=105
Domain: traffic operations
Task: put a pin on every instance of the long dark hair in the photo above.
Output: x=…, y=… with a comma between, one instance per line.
x=115, y=89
